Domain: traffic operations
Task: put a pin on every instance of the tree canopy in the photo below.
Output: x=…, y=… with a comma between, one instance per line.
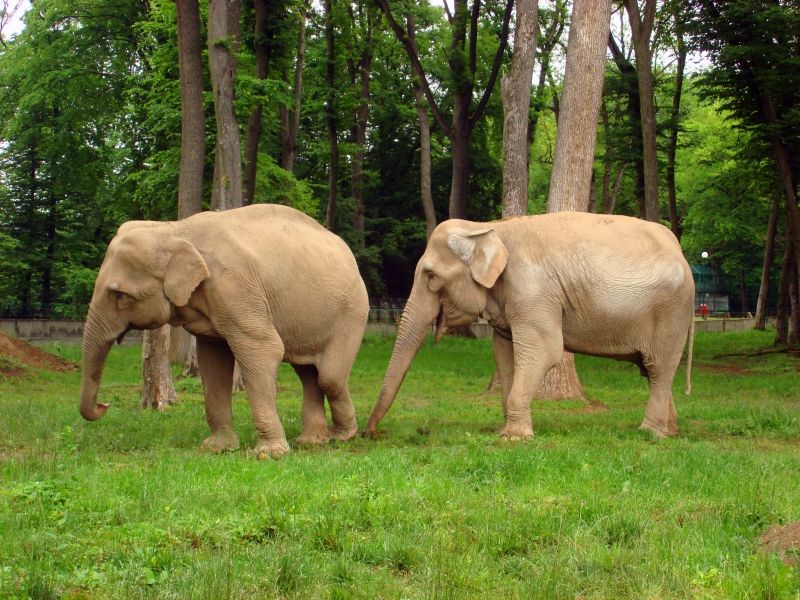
x=90, y=127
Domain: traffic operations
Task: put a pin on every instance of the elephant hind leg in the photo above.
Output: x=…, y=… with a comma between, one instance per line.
x=315, y=424
x=660, y=415
x=334, y=366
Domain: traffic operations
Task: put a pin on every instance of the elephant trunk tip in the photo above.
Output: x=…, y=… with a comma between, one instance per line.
x=93, y=413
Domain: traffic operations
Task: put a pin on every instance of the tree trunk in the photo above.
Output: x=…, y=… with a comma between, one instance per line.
x=641, y=27
x=631, y=80
x=262, y=51
x=459, y=140
x=577, y=132
x=784, y=304
x=190, y=176
x=290, y=118
x=672, y=146
x=157, y=388
x=516, y=96
x=330, y=118
x=223, y=43
x=191, y=367
x=573, y=160
x=425, y=193
x=766, y=269
x=362, y=76
x=794, y=303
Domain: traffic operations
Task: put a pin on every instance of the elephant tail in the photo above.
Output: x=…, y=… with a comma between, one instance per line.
x=690, y=342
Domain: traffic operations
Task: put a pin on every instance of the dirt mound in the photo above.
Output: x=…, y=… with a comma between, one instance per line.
x=26, y=354
x=783, y=541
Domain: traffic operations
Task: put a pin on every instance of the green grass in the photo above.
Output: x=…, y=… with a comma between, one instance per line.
x=439, y=507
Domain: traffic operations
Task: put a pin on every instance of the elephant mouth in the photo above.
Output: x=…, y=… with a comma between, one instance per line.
x=122, y=335
x=441, y=325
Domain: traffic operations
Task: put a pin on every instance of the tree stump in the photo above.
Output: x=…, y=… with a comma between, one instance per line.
x=157, y=387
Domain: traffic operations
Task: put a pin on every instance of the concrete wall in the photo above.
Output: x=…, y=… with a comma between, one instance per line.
x=44, y=330
x=41, y=330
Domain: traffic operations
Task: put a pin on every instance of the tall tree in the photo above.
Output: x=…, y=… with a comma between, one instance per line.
x=192, y=161
x=363, y=21
x=330, y=116
x=426, y=195
x=766, y=270
x=463, y=66
x=641, y=22
x=570, y=183
x=263, y=55
x=756, y=73
x=290, y=115
x=223, y=44
x=516, y=94
x=675, y=117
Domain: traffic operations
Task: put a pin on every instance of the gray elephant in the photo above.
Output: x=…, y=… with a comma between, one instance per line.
x=261, y=284
x=609, y=286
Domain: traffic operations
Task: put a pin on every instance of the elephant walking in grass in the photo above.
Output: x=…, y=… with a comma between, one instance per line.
x=261, y=285
x=603, y=285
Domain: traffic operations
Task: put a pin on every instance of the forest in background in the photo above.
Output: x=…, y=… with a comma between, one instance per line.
x=90, y=129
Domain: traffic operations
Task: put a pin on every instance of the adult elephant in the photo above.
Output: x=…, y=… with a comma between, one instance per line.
x=260, y=284
x=594, y=284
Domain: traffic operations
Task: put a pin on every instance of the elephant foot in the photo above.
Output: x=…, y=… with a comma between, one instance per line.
x=344, y=433
x=514, y=432
x=313, y=437
x=660, y=431
x=270, y=449
x=221, y=441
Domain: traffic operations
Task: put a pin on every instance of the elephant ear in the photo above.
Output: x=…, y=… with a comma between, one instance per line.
x=483, y=251
x=186, y=269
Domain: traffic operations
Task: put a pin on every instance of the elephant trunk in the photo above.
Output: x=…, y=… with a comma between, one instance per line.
x=97, y=342
x=421, y=309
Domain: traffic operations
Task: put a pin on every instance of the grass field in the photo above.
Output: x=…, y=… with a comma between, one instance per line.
x=439, y=507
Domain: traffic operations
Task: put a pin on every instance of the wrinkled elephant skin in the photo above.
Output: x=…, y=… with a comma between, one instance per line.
x=261, y=284
x=603, y=285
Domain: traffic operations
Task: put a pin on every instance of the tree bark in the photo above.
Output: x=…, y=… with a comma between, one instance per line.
x=330, y=118
x=642, y=27
x=462, y=61
x=262, y=51
x=766, y=269
x=157, y=388
x=425, y=193
x=190, y=176
x=223, y=44
x=630, y=78
x=571, y=180
x=193, y=146
x=515, y=88
x=361, y=74
x=573, y=160
x=675, y=116
x=783, y=312
x=290, y=118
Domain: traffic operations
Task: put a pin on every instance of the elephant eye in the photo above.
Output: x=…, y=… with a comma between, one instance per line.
x=433, y=280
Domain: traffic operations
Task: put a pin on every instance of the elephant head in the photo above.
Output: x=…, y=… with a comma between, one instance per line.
x=147, y=271
x=461, y=263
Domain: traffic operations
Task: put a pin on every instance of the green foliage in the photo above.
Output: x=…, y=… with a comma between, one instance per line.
x=128, y=507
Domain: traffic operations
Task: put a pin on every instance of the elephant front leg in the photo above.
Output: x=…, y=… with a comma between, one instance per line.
x=216, y=371
x=534, y=355
x=503, y=351
x=258, y=360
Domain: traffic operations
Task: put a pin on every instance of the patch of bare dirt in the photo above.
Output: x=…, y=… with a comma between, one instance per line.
x=32, y=356
x=729, y=368
x=783, y=541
